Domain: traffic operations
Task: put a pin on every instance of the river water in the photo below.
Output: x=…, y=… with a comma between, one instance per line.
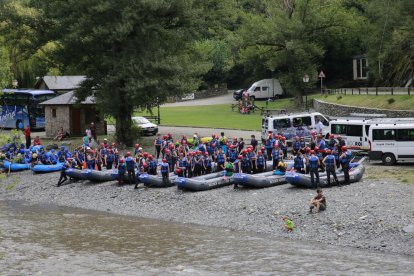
x=51, y=240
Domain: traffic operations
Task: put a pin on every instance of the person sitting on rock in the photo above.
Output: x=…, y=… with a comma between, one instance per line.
x=319, y=201
x=289, y=225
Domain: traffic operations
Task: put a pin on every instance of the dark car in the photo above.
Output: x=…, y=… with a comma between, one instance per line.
x=237, y=95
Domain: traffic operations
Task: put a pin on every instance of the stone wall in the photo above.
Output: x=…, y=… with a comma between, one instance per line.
x=88, y=115
x=221, y=89
x=62, y=119
x=339, y=110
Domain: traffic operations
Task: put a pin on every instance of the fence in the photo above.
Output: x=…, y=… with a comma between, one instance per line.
x=371, y=91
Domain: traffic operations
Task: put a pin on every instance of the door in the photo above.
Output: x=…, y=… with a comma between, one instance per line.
x=76, y=121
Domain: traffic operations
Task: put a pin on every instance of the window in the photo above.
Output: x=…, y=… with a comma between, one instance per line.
x=257, y=89
x=360, y=68
x=265, y=88
x=354, y=130
x=323, y=120
x=367, y=129
x=383, y=134
x=54, y=112
x=302, y=121
x=281, y=123
x=405, y=134
x=338, y=129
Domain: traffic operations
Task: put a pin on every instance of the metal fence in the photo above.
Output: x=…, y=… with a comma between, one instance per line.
x=371, y=91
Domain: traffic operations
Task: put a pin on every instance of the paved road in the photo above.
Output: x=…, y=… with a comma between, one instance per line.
x=225, y=99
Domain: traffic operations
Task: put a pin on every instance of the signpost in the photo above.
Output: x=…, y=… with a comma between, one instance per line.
x=321, y=76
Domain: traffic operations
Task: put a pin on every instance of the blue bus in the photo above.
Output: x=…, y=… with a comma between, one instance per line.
x=19, y=108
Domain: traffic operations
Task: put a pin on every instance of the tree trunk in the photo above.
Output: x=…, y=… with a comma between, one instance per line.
x=123, y=128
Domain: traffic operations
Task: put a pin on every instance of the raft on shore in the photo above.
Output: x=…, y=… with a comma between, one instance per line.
x=41, y=168
x=157, y=180
x=204, y=182
x=14, y=167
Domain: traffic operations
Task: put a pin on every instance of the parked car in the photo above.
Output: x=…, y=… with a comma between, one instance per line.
x=237, y=95
x=146, y=126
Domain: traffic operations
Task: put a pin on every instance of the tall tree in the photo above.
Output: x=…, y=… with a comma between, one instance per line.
x=134, y=53
x=289, y=36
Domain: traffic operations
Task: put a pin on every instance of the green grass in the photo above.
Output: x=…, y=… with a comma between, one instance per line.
x=217, y=116
x=403, y=102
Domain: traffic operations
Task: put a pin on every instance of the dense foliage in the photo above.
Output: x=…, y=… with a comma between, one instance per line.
x=137, y=53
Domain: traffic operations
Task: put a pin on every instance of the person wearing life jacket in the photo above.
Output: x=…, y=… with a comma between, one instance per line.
x=314, y=164
x=283, y=146
x=296, y=146
x=330, y=166
x=312, y=140
x=281, y=166
x=277, y=154
x=220, y=159
x=136, y=150
x=199, y=164
x=341, y=142
x=53, y=158
x=253, y=159
x=222, y=139
x=190, y=164
x=157, y=144
x=302, y=145
x=298, y=163
x=261, y=162
x=245, y=163
x=103, y=151
x=232, y=154
x=63, y=176
x=90, y=160
x=331, y=142
x=345, y=159
x=320, y=143
x=181, y=165
x=263, y=150
x=109, y=159
x=130, y=167
x=165, y=170
x=61, y=154
x=121, y=172
x=336, y=154
x=306, y=156
x=207, y=163
x=152, y=165
x=269, y=145
x=254, y=143
x=201, y=147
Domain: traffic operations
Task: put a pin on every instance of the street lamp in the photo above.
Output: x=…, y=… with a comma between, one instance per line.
x=305, y=80
x=15, y=83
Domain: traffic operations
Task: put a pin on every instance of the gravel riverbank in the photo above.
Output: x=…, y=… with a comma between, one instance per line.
x=370, y=214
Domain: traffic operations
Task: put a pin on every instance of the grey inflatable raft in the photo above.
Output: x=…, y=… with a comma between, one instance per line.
x=156, y=180
x=356, y=173
x=75, y=174
x=204, y=182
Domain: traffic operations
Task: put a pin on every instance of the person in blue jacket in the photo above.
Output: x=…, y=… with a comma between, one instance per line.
x=261, y=162
x=165, y=170
x=345, y=159
x=63, y=176
x=109, y=159
x=330, y=166
x=314, y=168
x=130, y=167
x=121, y=172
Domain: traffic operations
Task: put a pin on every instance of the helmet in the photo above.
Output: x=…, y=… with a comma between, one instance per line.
x=319, y=135
x=128, y=153
x=62, y=147
x=52, y=150
x=312, y=152
x=283, y=138
x=206, y=153
x=164, y=160
x=139, y=148
x=102, y=144
x=136, y=145
x=344, y=148
x=145, y=154
x=150, y=157
x=276, y=146
x=245, y=151
x=316, y=149
x=249, y=150
x=263, y=148
x=275, y=135
x=302, y=138
x=312, y=132
x=296, y=137
x=328, y=151
x=121, y=161
x=113, y=144
x=331, y=136
x=231, y=146
x=338, y=137
x=260, y=153
x=167, y=151
x=239, y=157
x=171, y=145
x=91, y=151
x=308, y=149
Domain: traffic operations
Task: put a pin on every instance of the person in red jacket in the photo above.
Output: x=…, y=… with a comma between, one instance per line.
x=27, y=136
x=36, y=141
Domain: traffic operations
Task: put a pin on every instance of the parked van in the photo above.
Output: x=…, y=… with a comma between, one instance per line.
x=353, y=132
x=391, y=143
x=291, y=125
x=265, y=89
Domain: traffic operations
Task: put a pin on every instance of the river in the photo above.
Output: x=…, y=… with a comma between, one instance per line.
x=52, y=240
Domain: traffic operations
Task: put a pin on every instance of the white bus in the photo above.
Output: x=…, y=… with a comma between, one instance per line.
x=291, y=125
x=392, y=143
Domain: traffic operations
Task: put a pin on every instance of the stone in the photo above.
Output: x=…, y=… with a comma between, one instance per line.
x=409, y=228
x=363, y=217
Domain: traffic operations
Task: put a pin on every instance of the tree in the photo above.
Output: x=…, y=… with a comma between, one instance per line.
x=289, y=36
x=134, y=53
x=5, y=72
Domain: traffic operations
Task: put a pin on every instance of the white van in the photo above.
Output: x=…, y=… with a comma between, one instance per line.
x=391, y=143
x=353, y=132
x=291, y=125
x=265, y=89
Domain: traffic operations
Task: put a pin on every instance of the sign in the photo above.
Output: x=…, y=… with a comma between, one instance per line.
x=188, y=97
x=321, y=75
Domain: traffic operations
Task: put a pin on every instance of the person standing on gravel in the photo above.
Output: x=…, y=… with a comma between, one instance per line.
x=318, y=202
x=330, y=166
x=253, y=142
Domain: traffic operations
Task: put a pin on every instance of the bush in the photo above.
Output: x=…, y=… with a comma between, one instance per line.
x=391, y=101
x=338, y=97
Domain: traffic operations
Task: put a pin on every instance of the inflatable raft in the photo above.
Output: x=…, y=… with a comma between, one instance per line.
x=99, y=176
x=47, y=168
x=204, y=182
x=14, y=167
x=156, y=180
x=304, y=180
x=114, y=174
x=75, y=174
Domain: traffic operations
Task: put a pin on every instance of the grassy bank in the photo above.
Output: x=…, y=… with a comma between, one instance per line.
x=403, y=102
x=217, y=116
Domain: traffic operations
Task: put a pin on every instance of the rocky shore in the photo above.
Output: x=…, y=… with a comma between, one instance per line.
x=370, y=214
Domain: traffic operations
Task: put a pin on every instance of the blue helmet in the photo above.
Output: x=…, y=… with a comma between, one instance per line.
x=53, y=150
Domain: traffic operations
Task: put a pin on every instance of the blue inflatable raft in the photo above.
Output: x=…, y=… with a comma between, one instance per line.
x=47, y=168
x=14, y=167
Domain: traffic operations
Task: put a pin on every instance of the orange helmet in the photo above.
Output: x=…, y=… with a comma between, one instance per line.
x=344, y=148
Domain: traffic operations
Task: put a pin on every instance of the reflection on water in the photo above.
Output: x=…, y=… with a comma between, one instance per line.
x=64, y=241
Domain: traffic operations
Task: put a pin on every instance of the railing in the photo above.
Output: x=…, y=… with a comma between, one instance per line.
x=371, y=91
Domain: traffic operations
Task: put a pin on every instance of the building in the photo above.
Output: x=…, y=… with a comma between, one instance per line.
x=59, y=84
x=64, y=111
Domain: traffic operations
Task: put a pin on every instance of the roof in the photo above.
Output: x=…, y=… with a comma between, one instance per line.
x=61, y=82
x=68, y=98
x=29, y=91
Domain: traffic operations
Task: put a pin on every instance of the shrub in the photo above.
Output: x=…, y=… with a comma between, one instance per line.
x=391, y=101
x=338, y=97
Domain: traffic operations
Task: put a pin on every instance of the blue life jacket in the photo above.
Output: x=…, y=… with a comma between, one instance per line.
x=103, y=152
x=233, y=155
x=347, y=158
x=260, y=161
x=336, y=154
x=322, y=145
x=275, y=154
x=331, y=144
x=152, y=165
x=313, y=162
x=296, y=145
x=220, y=158
x=298, y=162
x=236, y=166
x=251, y=155
x=121, y=168
x=207, y=161
x=302, y=144
x=158, y=142
x=201, y=148
x=200, y=161
x=110, y=157
x=330, y=161
x=164, y=167
x=245, y=162
x=81, y=157
x=130, y=163
x=269, y=144
x=183, y=162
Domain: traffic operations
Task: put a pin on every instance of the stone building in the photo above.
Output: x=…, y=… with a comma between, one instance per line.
x=59, y=84
x=75, y=118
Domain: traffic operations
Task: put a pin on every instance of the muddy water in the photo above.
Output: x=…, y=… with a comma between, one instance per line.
x=52, y=240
